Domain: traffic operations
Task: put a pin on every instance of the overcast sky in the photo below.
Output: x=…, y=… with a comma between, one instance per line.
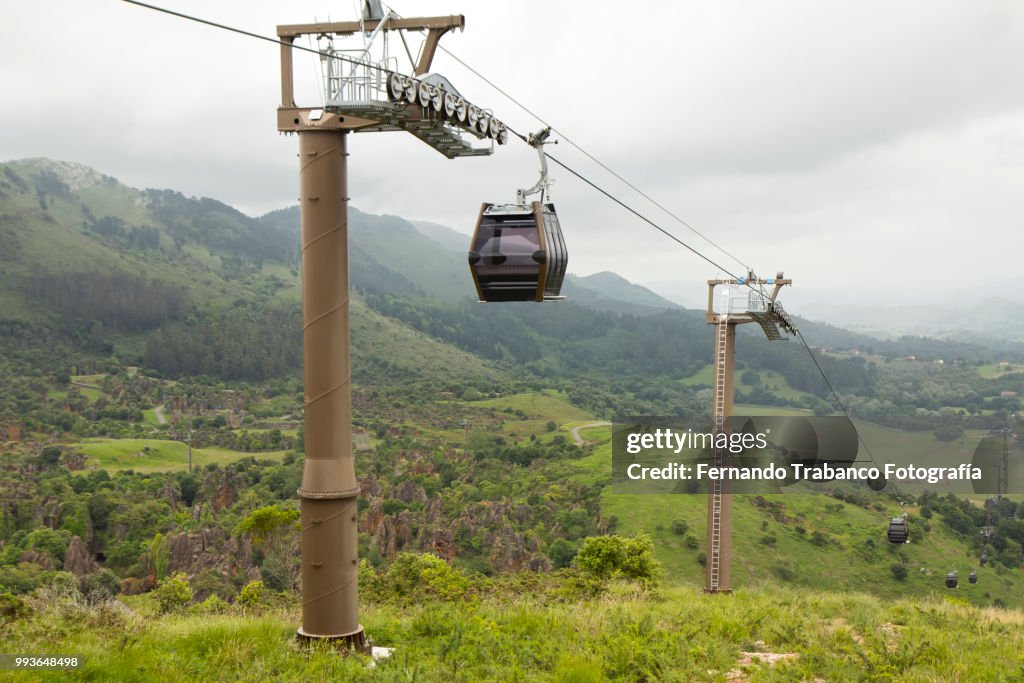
x=872, y=147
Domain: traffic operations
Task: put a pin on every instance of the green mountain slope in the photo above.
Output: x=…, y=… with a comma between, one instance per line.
x=619, y=288
x=190, y=288
x=61, y=221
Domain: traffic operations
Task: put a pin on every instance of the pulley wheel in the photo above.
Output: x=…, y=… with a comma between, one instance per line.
x=396, y=86
x=461, y=111
x=411, y=88
x=450, y=108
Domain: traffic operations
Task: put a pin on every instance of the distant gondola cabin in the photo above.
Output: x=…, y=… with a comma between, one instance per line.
x=899, y=530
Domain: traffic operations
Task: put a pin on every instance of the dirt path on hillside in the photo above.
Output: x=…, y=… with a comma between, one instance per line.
x=576, y=431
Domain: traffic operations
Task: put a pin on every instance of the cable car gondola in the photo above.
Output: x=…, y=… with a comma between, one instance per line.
x=518, y=252
x=951, y=580
x=899, y=530
x=972, y=577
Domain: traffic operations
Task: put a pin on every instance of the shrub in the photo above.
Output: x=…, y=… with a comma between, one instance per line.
x=639, y=563
x=680, y=527
x=14, y=580
x=100, y=586
x=211, y=605
x=251, y=594
x=174, y=593
x=784, y=571
x=412, y=577
x=209, y=582
x=49, y=457
x=959, y=522
x=610, y=556
x=267, y=525
x=899, y=571
x=561, y=553
x=60, y=582
x=50, y=542
x=12, y=607
x=575, y=586
x=601, y=555
x=949, y=432
x=275, y=574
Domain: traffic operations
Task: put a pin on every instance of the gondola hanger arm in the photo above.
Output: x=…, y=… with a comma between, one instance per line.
x=543, y=185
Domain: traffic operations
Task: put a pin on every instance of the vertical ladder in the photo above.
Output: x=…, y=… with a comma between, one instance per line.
x=718, y=454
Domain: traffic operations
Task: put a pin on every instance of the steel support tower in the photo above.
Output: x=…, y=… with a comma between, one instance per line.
x=357, y=100
x=756, y=305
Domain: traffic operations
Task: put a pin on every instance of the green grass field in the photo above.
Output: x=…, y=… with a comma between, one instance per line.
x=771, y=379
x=544, y=405
x=539, y=409
x=994, y=370
x=751, y=410
x=154, y=455
x=94, y=380
x=675, y=634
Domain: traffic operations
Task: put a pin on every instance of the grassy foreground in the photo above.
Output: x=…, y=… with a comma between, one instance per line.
x=674, y=634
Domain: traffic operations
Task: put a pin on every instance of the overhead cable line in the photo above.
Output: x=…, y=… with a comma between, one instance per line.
x=593, y=158
x=799, y=335
x=232, y=29
x=277, y=41
x=618, y=201
x=835, y=394
x=633, y=211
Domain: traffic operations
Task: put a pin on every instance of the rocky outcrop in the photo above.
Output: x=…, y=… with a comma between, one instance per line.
x=374, y=517
x=395, y=534
x=410, y=492
x=78, y=560
x=37, y=558
x=221, y=487
x=195, y=551
x=74, y=461
x=369, y=487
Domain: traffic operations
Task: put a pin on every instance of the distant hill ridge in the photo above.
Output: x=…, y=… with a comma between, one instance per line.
x=64, y=217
